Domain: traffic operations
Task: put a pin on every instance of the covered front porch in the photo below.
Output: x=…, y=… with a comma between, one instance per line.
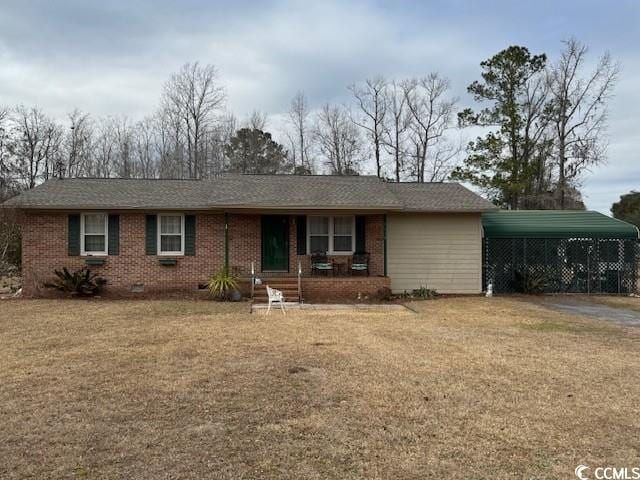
x=283, y=251
x=318, y=289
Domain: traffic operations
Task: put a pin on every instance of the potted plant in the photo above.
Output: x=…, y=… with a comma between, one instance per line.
x=224, y=285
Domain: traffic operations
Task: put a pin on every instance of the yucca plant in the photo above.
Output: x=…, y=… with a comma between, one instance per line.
x=79, y=283
x=222, y=283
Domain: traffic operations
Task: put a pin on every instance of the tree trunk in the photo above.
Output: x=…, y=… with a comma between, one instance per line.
x=562, y=149
x=302, y=162
x=377, y=150
x=561, y=177
x=397, y=154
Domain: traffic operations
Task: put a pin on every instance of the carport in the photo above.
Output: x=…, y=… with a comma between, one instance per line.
x=559, y=251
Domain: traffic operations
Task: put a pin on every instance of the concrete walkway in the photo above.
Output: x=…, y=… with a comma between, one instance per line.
x=332, y=306
x=578, y=306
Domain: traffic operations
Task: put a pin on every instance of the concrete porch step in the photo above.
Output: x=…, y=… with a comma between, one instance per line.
x=287, y=295
x=264, y=301
x=277, y=286
x=288, y=285
x=276, y=281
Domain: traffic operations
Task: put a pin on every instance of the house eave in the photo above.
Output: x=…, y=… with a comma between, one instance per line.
x=245, y=209
x=217, y=208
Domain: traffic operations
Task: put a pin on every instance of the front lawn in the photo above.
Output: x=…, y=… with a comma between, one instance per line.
x=630, y=303
x=465, y=388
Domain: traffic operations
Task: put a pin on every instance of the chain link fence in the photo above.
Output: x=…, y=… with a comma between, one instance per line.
x=561, y=265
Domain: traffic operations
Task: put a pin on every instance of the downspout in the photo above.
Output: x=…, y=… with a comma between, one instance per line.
x=384, y=249
x=226, y=241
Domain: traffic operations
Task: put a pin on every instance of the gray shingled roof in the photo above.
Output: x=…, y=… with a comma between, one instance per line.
x=439, y=197
x=251, y=192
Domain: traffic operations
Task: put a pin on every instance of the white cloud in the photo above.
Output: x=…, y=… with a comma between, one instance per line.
x=111, y=58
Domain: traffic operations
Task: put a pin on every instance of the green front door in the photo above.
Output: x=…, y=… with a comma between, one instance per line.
x=275, y=243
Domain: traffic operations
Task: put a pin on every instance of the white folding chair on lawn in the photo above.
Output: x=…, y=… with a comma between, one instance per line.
x=275, y=296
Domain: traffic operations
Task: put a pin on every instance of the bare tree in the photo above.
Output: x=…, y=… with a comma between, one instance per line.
x=299, y=139
x=338, y=140
x=167, y=165
x=144, y=146
x=535, y=143
x=176, y=134
x=36, y=145
x=123, y=137
x=579, y=111
x=257, y=120
x=77, y=144
x=9, y=226
x=397, y=122
x=431, y=115
x=5, y=171
x=193, y=95
x=372, y=105
x=217, y=137
x=105, y=150
x=225, y=130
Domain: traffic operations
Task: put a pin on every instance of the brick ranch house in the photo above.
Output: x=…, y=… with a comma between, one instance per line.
x=155, y=236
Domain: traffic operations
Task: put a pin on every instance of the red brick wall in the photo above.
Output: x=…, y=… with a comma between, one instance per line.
x=342, y=289
x=44, y=248
x=45, y=238
x=244, y=243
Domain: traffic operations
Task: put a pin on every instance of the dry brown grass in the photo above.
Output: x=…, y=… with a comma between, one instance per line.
x=631, y=303
x=466, y=388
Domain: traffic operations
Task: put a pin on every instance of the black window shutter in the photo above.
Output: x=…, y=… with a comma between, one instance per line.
x=361, y=244
x=74, y=236
x=301, y=235
x=190, y=235
x=114, y=234
x=151, y=237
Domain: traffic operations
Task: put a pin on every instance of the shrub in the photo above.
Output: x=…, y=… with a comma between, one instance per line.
x=424, y=293
x=531, y=282
x=222, y=283
x=384, y=294
x=79, y=283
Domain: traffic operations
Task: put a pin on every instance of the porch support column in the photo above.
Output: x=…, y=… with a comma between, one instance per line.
x=384, y=248
x=226, y=241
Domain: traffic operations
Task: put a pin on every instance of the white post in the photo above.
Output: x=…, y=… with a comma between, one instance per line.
x=253, y=279
x=299, y=282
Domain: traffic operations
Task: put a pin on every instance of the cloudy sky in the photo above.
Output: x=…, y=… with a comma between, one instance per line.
x=111, y=57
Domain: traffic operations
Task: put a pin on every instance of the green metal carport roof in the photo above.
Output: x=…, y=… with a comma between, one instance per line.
x=554, y=224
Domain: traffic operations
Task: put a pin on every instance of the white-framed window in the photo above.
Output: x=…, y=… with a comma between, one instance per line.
x=332, y=234
x=93, y=233
x=170, y=234
x=318, y=233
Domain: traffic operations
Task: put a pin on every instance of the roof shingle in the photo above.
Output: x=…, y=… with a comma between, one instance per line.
x=438, y=197
x=251, y=192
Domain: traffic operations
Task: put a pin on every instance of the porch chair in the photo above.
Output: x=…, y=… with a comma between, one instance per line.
x=359, y=263
x=320, y=263
x=275, y=296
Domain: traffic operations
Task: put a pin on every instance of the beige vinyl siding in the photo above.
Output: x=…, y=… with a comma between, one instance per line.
x=441, y=251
